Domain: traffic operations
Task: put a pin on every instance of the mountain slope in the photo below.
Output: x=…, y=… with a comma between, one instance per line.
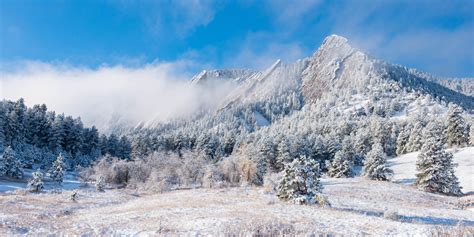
x=336, y=66
x=311, y=107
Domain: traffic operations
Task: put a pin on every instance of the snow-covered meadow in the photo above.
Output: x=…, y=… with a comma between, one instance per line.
x=358, y=207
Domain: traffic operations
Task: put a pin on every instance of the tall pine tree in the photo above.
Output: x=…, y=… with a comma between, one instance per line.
x=435, y=166
x=375, y=165
x=456, y=128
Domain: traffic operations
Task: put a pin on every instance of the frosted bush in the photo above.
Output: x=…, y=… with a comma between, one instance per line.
x=391, y=215
x=300, y=183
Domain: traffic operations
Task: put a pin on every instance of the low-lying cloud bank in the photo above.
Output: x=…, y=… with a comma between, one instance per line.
x=110, y=94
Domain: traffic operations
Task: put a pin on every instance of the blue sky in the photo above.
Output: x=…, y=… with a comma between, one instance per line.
x=434, y=36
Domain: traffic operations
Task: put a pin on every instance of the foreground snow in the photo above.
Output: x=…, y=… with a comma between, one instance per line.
x=404, y=168
x=358, y=208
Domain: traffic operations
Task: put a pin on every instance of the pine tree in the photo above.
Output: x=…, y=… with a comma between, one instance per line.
x=435, y=166
x=341, y=165
x=375, y=166
x=456, y=128
x=100, y=183
x=300, y=183
x=283, y=155
x=10, y=165
x=402, y=141
x=266, y=152
x=2, y=129
x=415, y=139
x=57, y=170
x=471, y=134
x=36, y=182
x=344, y=160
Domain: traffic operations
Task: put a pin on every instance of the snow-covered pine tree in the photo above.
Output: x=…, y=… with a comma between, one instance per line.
x=343, y=162
x=435, y=166
x=300, y=183
x=100, y=183
x=415, y=139
x=35, y=184
x=471, y=134
x=267, y=152
x=10, y=165
x=283, y=154
x=456, y=128
x=2, y=130
x=375, y=165
x=57, y=170
x=402, y=141
x=340, y=166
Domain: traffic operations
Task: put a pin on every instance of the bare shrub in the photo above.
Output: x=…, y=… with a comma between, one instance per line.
x=113, y=170
x=162, y=171
x=230, y=170
x=248, y=170
x=165, y=172
x=259, y=227
x=322, y=200
x=85, y=174
x=118, y=173
x=213, y=177
x=192, y=169
x=138, y=172
x=271, y=181
x=391, y=215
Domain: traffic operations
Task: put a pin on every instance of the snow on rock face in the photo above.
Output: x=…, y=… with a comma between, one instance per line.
x=237, y=75
x=335, y=64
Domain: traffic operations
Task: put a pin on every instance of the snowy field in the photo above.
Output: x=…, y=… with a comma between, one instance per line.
x=359, y=207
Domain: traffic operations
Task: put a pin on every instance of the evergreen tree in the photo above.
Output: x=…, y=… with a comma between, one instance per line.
x=471, y=134
x=266, y=152
x=435, y=166
x=35, y=184
x=416, y=136
x=300, y=183
x=57, y=170
x=375, y=166
x=10, y=165
x=344, y=160
x=2, y=129
x=124, y=148
x=283, y=155
x=456, y=128
x=57, y=133
x=100, y=183
x=341, y=165
x=402, y=141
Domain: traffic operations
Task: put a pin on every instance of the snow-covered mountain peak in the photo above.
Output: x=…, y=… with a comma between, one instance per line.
x=237, y=75
x=334, y=41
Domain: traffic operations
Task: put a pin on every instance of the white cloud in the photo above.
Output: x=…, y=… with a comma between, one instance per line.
x=169, y=20
x=159, y=90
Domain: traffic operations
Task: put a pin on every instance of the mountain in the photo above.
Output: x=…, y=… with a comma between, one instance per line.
x=336, y=94
x=334, y=68
x=236, y=75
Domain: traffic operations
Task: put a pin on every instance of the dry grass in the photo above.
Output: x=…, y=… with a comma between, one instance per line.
x=232, y=211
